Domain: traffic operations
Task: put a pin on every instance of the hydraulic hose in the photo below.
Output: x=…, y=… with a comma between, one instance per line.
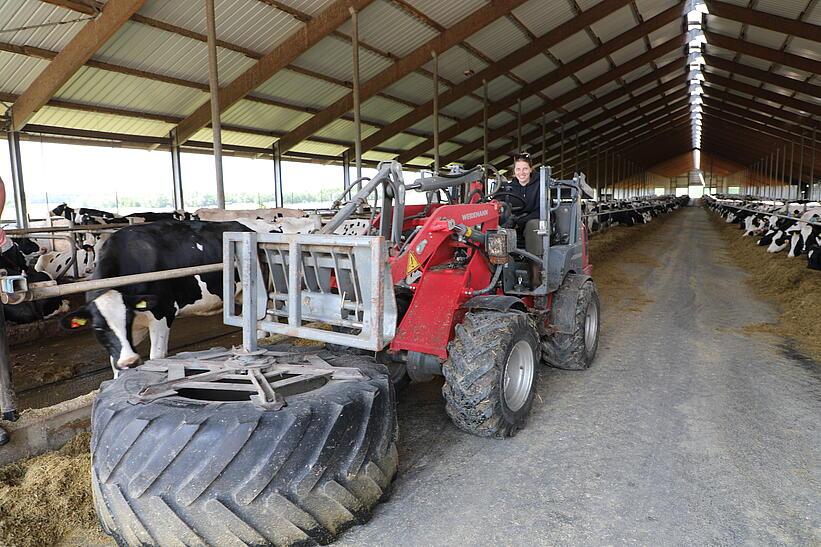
x=496, y=275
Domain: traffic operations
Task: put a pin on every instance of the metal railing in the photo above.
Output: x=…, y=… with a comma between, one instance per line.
x=779, y=215
x=15, y=290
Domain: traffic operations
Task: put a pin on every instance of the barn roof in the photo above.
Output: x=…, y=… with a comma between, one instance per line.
x=610, y=76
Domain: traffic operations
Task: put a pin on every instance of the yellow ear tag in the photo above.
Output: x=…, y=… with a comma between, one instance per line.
x=141, y=305
x=78, y=322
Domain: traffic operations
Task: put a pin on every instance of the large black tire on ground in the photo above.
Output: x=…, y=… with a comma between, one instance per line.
x=475, y=372
x=576, y=350
x=182, y=471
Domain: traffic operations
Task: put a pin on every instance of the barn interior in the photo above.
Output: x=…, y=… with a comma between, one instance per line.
x=696, y=422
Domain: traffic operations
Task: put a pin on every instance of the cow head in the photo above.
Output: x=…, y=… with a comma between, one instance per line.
x=111, y=315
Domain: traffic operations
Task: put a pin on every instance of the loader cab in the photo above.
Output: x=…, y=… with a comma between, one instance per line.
x=563, y=251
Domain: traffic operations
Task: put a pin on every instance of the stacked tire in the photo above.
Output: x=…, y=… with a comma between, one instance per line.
x=179, y=470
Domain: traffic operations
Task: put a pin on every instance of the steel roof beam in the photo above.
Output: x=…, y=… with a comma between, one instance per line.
x=595, y=83
x=760, y=118
x=764, y=94
x=606, y=115
x=769, y=21
x=762, y=52
x=300, y=41
x=534, y=136
x=74, y=55
x=793, y=84
x=401, y=68
x=496, y=69
x=712, y=91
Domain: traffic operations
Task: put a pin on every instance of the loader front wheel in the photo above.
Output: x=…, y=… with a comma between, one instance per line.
x=490, y=374
x=576, y=351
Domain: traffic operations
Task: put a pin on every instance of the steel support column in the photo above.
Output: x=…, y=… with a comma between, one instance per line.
x=519, y=126
x=485, y=128
x=812, y=167
x=346, y=172
x=357, y=121
x=214, y=87
x=176, y=171
x=436, y=165
x=17, y=180
x=279, y=194
x=801, y=165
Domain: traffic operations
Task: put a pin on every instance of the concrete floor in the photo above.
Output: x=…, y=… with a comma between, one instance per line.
x=687, y=430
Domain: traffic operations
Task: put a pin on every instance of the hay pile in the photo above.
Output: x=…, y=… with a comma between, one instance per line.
x=785, y=281
x=47, y=499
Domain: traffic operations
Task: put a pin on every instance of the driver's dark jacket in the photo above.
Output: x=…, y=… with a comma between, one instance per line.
x=529, y=193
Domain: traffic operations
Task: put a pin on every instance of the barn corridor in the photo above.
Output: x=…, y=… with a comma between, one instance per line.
x=686, y=427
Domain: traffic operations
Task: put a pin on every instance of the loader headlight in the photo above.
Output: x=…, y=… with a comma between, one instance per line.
x=499, y=244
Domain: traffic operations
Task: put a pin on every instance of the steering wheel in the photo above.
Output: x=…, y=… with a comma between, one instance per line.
x=514, y=208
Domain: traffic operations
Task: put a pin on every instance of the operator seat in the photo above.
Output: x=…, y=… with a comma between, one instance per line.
x=559, y=230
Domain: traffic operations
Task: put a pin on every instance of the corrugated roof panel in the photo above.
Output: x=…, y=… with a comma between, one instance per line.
x=384, y=110
x=607, y=88
x=670, y=56
x=641, y=71
x=94, y=86
x=147, y=48
x=454, y=62
x=501, y=87
x=779, y=90
x=560, y=88
x=540, y=20
x=720, y=52
x=414, y=87
x=312, y=147
x=765, y=37
x=531, y=102
x=343, y=130
x=573, y=105
x=814, y=16
x=651, y=8
x=374, y=155
x=262, y=116
x=286, y=85
x=18, y=71
x=402, y=141
x=448, y=148
x=403, y=35
x=754, y=62
x=808, y=98
x=333, y=57
x=311, y=7
x=248, y=23
x=724, y=26
x=591, y=71
x=27, y=13
x=805, y=48
x=501, y=119
x=665, y=33
x=667, y=77
x=572, y=47
x=614, y=24
x=714, y=70
x=464, y=107
x=784, y=8
x=790, y=72
x=498, y=39
x=534, y=68
x=472, y=134
x=426, y=125
x=63, y=117
x=447, y=13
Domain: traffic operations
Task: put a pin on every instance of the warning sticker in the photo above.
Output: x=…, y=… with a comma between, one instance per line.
x=413, y=263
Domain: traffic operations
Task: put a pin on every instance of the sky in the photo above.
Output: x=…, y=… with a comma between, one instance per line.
x=104, y=177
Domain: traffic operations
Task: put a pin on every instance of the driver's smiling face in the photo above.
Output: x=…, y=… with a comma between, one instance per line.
x=521, y=171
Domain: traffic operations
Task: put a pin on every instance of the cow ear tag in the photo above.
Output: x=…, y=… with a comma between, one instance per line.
x=77, y=322
x=141, y=305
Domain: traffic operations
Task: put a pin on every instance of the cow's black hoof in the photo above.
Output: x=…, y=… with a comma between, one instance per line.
x=4, y=436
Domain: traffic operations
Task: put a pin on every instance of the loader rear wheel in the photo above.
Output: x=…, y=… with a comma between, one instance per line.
x=184, y=471
x=576, y=351
x=490, y=375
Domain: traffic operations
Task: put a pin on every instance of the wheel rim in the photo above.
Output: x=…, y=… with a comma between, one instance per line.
x=591, y=326
x=518, y=377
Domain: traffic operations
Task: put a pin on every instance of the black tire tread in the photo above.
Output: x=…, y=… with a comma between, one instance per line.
x=226, y=474
x=567, y=351
x=476, y=356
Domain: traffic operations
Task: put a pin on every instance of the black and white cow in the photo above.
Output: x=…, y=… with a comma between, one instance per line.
x=14, y=262
x=87, y=216
x=123, y=317
x=804, y=235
